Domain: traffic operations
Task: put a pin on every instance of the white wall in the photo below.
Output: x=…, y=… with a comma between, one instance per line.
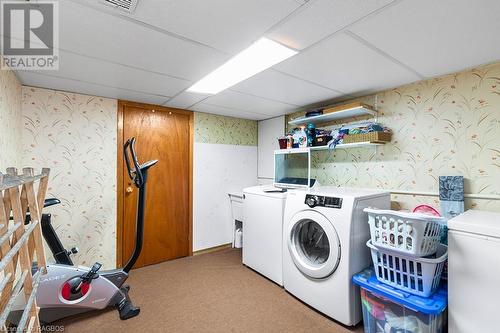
x=269, y=131
x=218, y=169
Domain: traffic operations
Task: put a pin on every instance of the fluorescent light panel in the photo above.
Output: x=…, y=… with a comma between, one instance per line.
x=261, y=55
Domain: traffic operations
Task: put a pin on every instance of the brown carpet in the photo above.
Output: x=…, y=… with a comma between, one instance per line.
x=207, y=293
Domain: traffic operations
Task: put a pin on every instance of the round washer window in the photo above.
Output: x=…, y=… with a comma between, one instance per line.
x=311, y=242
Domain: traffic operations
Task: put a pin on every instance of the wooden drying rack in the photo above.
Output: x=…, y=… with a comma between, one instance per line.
x=22, y=255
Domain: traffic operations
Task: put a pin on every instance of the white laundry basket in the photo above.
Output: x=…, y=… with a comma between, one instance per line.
x=419, y=276
x=411, y=234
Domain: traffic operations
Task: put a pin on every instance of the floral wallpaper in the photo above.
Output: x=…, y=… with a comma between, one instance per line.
x=75, y=135
x=444, y=126
x=209, y=128
x=10, y=120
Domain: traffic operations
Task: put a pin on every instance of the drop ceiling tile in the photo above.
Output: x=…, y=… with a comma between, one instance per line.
x=284, y=88
x=238, y=101
x=92, y=32
x=344, y=64
x=437, y=37
x=185, y=99
x=213, y=109
x=320, y=18
x=227, y=25
x=76, y=67
x=87, y=88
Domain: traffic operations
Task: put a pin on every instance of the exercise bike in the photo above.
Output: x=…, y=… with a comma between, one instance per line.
x=65, y=289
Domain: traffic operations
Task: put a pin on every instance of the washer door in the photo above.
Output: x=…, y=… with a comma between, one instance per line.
x=313, y=244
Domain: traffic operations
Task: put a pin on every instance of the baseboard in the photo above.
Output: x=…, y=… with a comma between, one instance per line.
x=213, y=249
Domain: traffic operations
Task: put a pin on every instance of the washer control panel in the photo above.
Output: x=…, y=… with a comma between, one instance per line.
x=318, y=200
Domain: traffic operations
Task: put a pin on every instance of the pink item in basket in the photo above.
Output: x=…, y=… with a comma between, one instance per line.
x=426, y=209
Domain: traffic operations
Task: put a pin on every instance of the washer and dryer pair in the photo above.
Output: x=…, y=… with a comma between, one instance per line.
x=324, y=244
x=312, y=242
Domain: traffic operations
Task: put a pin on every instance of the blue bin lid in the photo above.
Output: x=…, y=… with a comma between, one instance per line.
x=432, y=305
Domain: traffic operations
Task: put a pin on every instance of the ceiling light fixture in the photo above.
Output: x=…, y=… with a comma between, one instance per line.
x=259, y=56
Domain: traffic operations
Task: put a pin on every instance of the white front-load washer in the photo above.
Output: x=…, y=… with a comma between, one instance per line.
x=324, y=244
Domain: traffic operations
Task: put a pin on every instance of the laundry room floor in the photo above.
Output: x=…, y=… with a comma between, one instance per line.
x=211, y=292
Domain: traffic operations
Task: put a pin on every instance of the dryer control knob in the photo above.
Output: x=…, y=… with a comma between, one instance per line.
x=312, y=201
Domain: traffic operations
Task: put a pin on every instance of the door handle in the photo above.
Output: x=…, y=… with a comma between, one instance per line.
x=129, y=189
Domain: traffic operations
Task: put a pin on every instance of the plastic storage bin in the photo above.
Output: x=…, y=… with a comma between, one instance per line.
x=419, y=276
x=413, y=234
x=386, y=309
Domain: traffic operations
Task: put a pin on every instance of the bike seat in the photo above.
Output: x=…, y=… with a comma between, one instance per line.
x=51, y=202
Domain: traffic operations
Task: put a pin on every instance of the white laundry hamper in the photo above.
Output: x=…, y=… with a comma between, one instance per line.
x=412, y=234
x=419, y=276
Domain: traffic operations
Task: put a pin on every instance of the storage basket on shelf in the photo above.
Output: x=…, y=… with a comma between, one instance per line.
x=412, y=234
x=419, y=276
x=378, y=136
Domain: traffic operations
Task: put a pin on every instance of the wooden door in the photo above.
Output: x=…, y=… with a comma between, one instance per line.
x=163, y=134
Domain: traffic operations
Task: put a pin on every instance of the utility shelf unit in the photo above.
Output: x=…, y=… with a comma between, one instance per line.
x=294, y=165
x=339, y=146
x=337, y=113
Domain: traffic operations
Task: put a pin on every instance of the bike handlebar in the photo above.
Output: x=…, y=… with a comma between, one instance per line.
x=136, y=173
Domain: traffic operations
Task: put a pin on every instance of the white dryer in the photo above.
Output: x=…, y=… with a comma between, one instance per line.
x=324, y=245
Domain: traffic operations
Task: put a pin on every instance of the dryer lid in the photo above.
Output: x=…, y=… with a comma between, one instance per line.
x=313, y=244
